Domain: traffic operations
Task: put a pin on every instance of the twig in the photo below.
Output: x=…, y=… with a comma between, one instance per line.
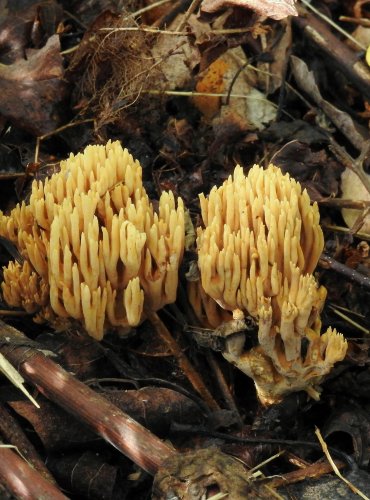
x=355, y=20
x=146, y=9
x=193, y=430
x=328, y=262
x=23, y=480
x=147, y=30
x=15, y=378
x=194, y=4
x=345, y=230
x=335, y=50
x=190, y=93
x=354, y=164
x=357, y=167
x=193, y=377
x=12, y=432
x=229, y=400
x=311, y=471
x=56, y=131
x=10, y=312
x=333, y=24
x=220, y=377
x=103, y=417
x=341, y=203
x=230, y=31
x=360, y=220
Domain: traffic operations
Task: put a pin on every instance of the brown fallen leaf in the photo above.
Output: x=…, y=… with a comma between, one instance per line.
x=306, y=81
x=276, y=9
x=32, y=89
x=26, y=27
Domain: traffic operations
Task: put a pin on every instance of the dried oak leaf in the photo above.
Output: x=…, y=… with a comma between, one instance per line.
x=33, y=88
x=276, y=9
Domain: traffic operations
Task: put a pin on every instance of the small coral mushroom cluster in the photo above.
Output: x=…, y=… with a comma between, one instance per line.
x=94, y=249
x=256, y=255
x=95, y=252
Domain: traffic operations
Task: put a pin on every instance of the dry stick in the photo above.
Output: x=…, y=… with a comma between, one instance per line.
x=223, y=386
x=56, y=131
x=12, y=433
x=338, y=52
x=221, y=380
x=328, y=262
x=345, y=230
x=192, y=375
x=146, y=9
x=24, y=481
x=333, y=24
x=103, y=417
x=194, y=4
x=341, y=203
x=354, y=164
x=311, y=471
x=361, y=21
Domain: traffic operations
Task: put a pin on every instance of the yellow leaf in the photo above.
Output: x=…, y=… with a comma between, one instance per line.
x=368, y=55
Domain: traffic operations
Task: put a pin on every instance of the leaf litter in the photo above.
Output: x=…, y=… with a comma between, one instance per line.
x=192, y=88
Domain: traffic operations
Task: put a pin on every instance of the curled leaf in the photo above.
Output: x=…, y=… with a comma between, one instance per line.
x=276, y=9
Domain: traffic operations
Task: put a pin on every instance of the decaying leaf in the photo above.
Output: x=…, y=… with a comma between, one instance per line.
x=177, y=54
x=27, y=27
x=306, y=81
x=276, y=9
x=211, y=83
x=353, y=189
x=247, y=104
x=33, y=88
x=280, y=55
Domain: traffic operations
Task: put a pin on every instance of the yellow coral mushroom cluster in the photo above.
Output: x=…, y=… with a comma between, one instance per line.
x=94, y=249
x=256, y=255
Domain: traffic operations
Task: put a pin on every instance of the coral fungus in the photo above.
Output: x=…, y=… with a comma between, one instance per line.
x=94, y=249
x=256, y=255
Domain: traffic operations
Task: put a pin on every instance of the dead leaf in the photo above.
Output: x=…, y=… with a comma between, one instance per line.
x=280, y=54
x=32, y=89
x=179, y=55
x=313, y=168
x=353, y=189
x=211, y=83
x=306, y=81
x=27, y=27
x=246, y=104
x=276, y=9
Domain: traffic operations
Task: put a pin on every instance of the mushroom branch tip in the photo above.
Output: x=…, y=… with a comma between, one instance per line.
x=259, y=246
x=95, y=251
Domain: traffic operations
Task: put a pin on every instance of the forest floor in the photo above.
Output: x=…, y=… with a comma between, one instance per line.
x=191, y=89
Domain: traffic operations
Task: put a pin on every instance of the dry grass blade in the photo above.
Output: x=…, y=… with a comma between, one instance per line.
x=355, y=324
x=15, y=378
x=335, y=468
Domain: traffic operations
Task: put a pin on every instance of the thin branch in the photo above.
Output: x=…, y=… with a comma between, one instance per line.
x=328, y=262
x=333, y=24
x=194, y=4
